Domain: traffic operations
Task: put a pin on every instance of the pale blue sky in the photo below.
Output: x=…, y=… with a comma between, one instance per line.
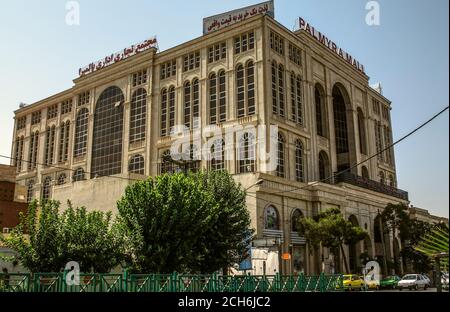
x=408, y=53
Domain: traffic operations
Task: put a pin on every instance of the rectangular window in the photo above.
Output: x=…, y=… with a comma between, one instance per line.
x=376, y=107
x=35, y=118
x=277, y=43
x=244, y=42
x=217, y=52
x=83, y=98
x=21, y=123
x=168, y=69
x=52, y=111
x=191, y=61
x=66, y=107
x=295, y=54
x=140, y=78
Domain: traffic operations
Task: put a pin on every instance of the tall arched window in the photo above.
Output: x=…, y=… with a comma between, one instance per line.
x=296, y=99
x=321, y=120
x=30, y=190
x=108, y=134
x=247, y=153
x=81, y=133
x=340, y=121
x=18, y=153
x=79, y=175
x=324, y=168
x=382, y=177
x=365, y=172
x=271, y=218
x=278, y=94
x=137, y=165
x=33, y=152
x=245, y=86
x=217, y=98
x=362, y=132
x=297, y=216
x=50, y=145
x=138, y=115
x=281, y=156
x=46, y=188
x=299, y=162
x=191, y=103
x=218, y=155
x=167, y=111
x=64, y=136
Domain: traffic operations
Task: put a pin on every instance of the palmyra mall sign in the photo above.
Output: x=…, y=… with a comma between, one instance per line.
x=303, y=25
x=119, y=56
x=220, y=21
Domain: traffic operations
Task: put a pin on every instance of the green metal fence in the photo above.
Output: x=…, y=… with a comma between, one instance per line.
x=166, y=283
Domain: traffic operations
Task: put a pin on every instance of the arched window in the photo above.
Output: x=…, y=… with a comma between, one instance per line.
x=245, y=86
x=108, y=133
x=138, y=115
x=324, y=168
x=64, y=136
x=281, y=156
x=271, y=219
x=33, y=152
x=297, y=216
x=167, y=111
x=247, y=153
x=340, y=121
x=321, y=120
x=362, y=132
x=137, y=165
x=278, y=95
x=191, y=103
x=50, y=145
x=296, y=99
x=79, y=175
x=81, y=133
x=392, y=181
x=217, y=98
x=46, y=188
x=382, y=177
x=299, y=162
x=218, y=155
x=365, y=172
x=166, y=165
x=18, y=153
x=30, y=190
x=62, y=179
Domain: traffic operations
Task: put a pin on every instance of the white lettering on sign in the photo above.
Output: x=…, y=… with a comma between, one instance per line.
x=220, y=21
x=320, y=37
x=119, y=56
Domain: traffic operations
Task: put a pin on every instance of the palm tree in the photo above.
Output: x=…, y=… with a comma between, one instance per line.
x=435, y=243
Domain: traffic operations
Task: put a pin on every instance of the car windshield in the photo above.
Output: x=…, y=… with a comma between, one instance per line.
x=347, y=277
x=410, y=277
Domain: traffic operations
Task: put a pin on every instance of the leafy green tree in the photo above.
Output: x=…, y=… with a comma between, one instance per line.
x=434, y=243
x=332, y=231
x=185, y=223
x=45, y=240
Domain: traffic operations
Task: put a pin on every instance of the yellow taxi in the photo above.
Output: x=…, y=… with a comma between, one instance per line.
x=352, y=281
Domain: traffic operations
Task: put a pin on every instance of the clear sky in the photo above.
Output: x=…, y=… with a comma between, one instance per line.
x=408, y=53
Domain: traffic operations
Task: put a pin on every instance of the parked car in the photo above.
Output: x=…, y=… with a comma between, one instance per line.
x=352, y=282
x=390, y=282
x=427, y=280
x=412, y=281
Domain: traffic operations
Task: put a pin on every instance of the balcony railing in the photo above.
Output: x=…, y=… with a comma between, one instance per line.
x=375, y=186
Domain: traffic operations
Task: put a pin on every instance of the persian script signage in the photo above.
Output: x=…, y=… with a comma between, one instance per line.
x=304, y=25
x=119, y=56
x=220, y=21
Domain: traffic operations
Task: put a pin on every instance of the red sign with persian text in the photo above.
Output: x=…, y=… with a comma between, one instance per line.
x=220, y=21
x=303, y=25
x=119, y=56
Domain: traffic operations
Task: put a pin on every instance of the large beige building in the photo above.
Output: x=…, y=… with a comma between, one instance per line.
x=113, y=126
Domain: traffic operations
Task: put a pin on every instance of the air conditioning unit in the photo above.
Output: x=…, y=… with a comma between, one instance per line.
x=6, y=230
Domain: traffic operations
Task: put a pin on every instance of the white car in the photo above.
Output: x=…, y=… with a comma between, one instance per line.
x=413, y=281
x=427, y=280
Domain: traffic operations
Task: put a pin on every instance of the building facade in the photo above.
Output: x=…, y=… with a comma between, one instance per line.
x=114, y=126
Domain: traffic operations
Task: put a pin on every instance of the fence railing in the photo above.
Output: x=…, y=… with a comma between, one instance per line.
x=169, y=283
